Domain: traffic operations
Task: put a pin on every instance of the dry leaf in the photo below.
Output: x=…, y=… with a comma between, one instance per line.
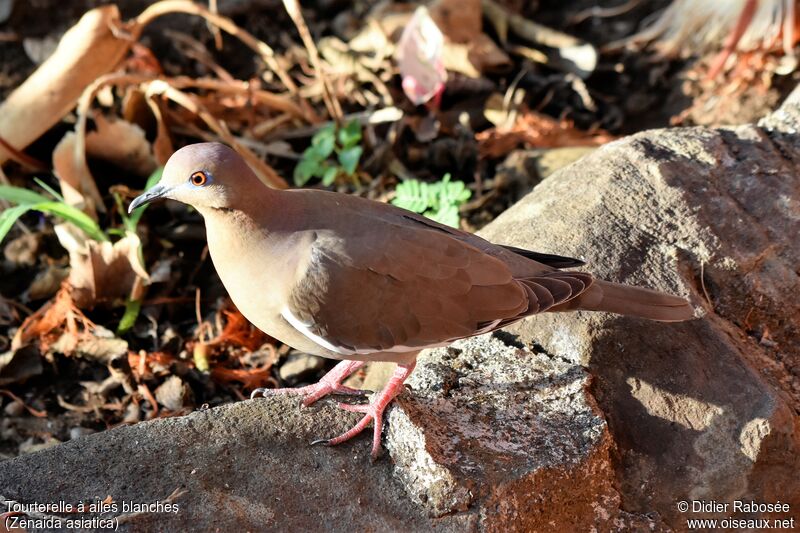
x=466, y=48
x=88, y=50
x=459, y=20
x=77, y=185
x=535, y=130
x=123, y=144
x=171, y=393
x=98, y=345
x=20, y=364
x=100, y=271
x=119, y=142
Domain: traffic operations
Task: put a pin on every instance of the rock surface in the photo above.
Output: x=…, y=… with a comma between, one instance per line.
x=706, y=409
x=510, y=433
x=505, y=434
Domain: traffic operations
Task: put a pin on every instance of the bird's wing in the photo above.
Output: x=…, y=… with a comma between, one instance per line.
x=405, y=288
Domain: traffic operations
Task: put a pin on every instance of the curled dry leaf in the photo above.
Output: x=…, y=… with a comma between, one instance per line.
x=101, y=271
x=419, y=57
x=568, y=52
x=88, y=50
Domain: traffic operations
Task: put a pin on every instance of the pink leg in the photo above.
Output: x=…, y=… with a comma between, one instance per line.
x=331, y=383
x=373, y=410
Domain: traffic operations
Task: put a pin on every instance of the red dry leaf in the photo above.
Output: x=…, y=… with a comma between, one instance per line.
x=238, y=331
x=52, y=320
x=535, y=130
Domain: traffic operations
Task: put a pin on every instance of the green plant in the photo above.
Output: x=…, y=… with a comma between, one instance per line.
x=438, y=201
x=317, y=162
x=27, y=200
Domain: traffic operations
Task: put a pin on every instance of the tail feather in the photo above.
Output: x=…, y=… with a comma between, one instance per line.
x=631, y=301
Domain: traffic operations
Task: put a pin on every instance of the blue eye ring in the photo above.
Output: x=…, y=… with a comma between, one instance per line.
x=199, y=178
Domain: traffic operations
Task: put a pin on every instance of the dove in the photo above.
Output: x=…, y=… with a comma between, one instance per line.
x=357, y=280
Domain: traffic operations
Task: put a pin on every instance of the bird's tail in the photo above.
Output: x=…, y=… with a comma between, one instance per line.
x=631, y=301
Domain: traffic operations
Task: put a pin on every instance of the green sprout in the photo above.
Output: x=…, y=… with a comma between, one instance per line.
x=317, y=161
x=438, y=201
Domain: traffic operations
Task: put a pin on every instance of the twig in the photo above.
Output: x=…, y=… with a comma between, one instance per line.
x=21, y=157
x=264, y=171
x=603, y=12
x=379, y=116
x=264, y=51
x=31, y=410
x=212, y=6
x=334, y=108
x=703, y=284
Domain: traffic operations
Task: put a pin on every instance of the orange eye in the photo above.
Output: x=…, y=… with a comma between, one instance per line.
x=199, y=178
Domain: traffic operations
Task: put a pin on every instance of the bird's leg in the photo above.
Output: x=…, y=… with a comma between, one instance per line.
x=331, y=383
x=374, y=410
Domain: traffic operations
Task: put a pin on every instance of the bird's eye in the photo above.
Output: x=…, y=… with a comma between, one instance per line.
x=199, y=178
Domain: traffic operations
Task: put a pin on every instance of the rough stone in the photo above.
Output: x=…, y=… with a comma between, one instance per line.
x=239, y=467
x=506, y=434
x=705, y=409
x=300, y=367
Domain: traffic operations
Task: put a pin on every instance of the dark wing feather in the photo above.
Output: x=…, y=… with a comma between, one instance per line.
x=556, y=261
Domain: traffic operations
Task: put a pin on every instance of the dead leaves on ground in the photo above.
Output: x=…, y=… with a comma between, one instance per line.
x=535, y=130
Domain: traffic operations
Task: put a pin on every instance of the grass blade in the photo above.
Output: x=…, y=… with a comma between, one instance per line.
x=9, y=216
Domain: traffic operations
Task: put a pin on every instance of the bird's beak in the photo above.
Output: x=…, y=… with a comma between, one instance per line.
x=155, y=192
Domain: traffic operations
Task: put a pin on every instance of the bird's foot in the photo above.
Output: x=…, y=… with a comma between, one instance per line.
x=331, y=383
x=373, y=411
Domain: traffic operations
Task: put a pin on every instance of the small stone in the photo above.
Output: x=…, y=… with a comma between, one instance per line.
x=79, y=431
x=23, y=250
x=171, y=393
x=29, y=446
x=14, y=408
x=300, y=367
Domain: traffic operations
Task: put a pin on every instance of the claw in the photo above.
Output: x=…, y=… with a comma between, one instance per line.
x=372, y=411
x=331, y=383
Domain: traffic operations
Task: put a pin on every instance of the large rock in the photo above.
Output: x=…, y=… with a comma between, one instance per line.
x=706, y=409
x=240, y=467
x=503, y=432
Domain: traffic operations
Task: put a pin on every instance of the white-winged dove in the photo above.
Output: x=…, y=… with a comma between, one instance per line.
x=357, y=280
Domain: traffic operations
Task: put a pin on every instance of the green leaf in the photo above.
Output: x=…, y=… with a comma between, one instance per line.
x=317, y=153
x=323, y=142
x=49, y=189
x=438, y=201
x=132, y=308
x=304, y=171
x=412, y=195
x=350, y=134
x=21, y=196
x=349, y=159
x=448, y=215
x=74, y=215
x=330, y=175
x=9, y=216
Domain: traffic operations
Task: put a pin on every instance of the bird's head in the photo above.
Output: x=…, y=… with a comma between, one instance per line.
x=204, y=175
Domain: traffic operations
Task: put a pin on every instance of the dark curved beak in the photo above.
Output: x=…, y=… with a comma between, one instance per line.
x=155, y=192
